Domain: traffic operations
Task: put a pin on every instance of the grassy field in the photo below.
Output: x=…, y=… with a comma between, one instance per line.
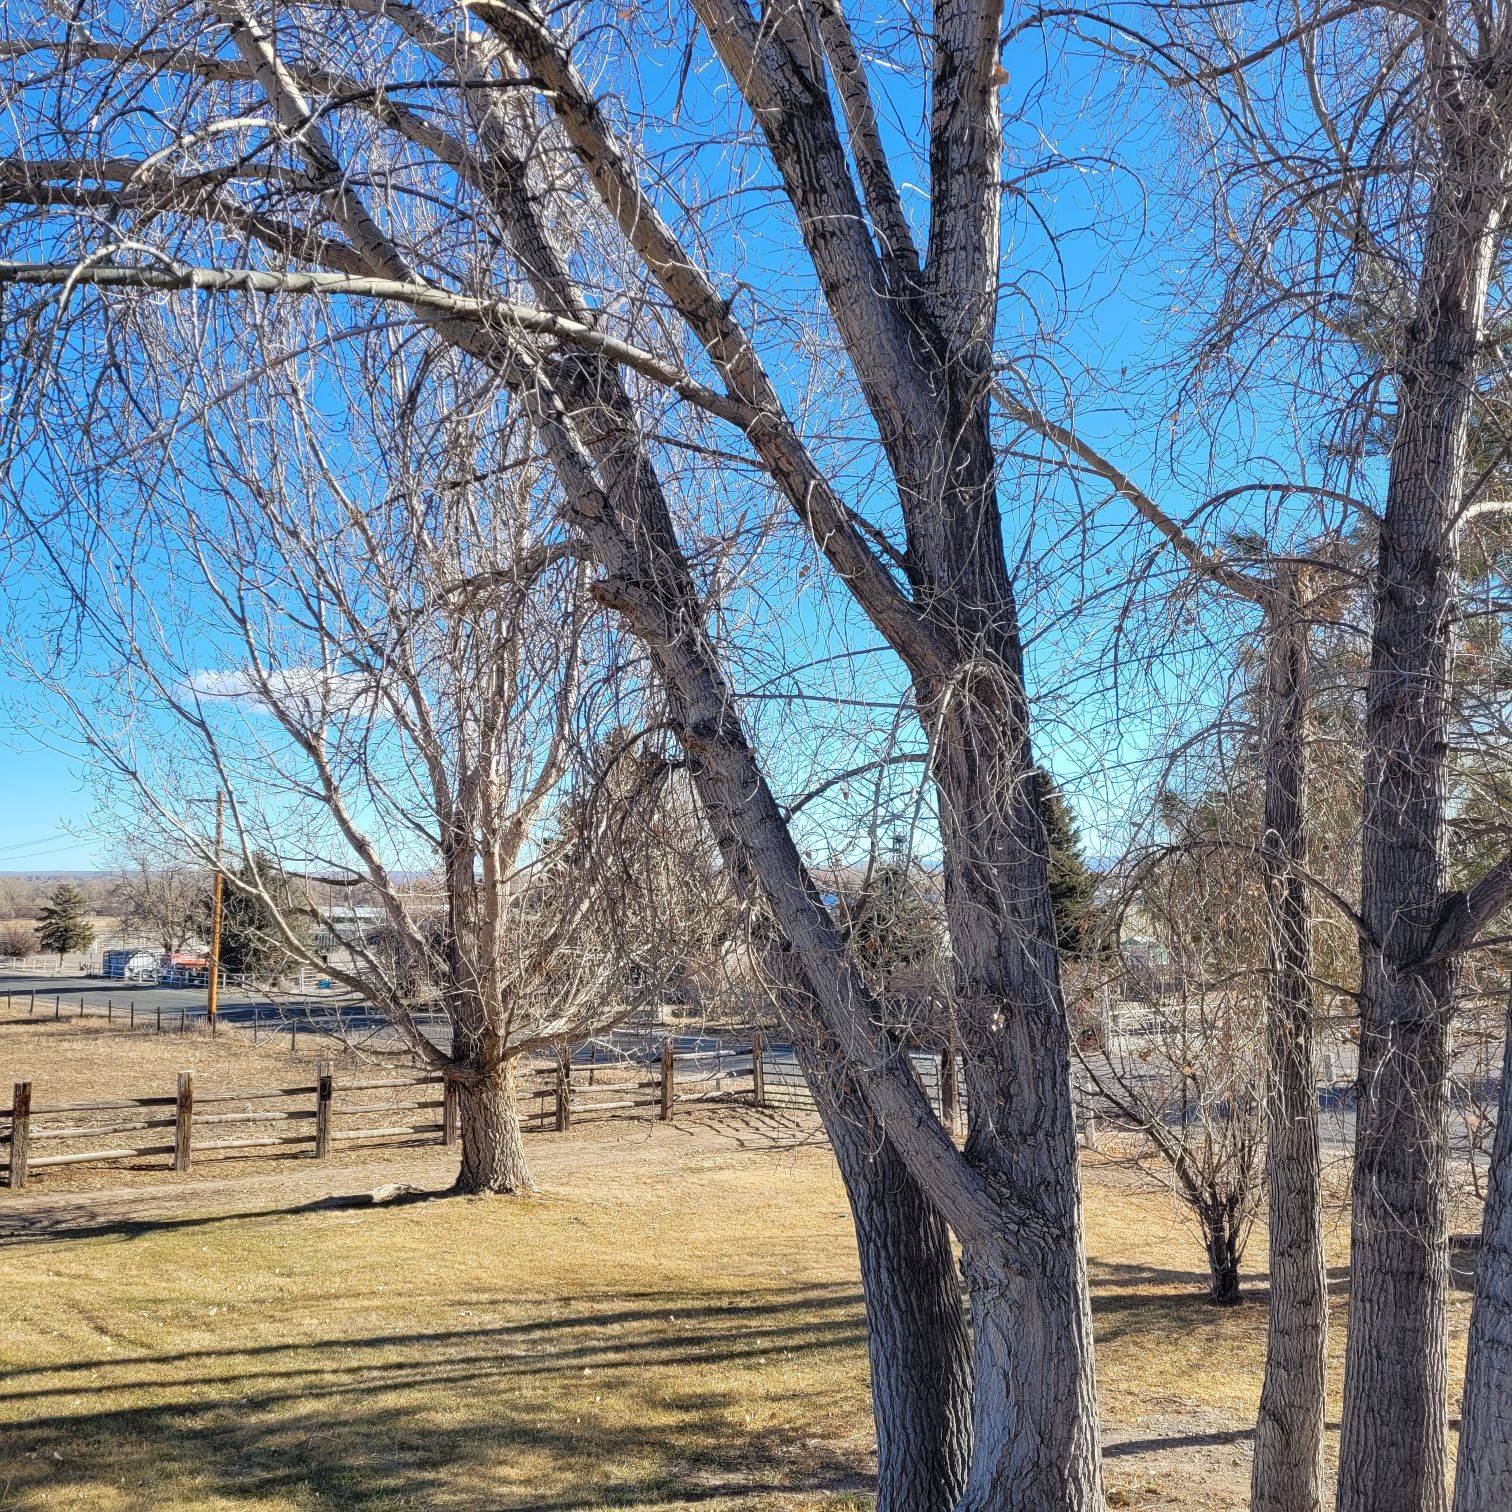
x=673, y=1321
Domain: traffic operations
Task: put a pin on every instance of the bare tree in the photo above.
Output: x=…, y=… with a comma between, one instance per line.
x=631, y=531
x=18, y=940
x=1360, y=161
x=297, y=149
x=393, y=719
x=1295, y=593
x=1186, y=1067
x=160, y=897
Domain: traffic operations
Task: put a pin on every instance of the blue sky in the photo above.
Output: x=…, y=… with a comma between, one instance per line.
x=44, y=795
x=1109, y=288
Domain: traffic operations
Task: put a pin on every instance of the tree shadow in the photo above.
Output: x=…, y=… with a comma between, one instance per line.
x=524, y=1414
x=61, y=1219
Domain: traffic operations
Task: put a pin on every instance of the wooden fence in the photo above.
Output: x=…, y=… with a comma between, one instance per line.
x=186, y=1123
x=311, y=1119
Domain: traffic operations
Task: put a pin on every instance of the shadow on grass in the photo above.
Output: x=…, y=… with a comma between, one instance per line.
x=637, y=1405
x=1119, y=1286
x=58, y=1218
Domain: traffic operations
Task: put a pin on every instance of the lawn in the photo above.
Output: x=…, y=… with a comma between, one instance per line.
x=674, y=1320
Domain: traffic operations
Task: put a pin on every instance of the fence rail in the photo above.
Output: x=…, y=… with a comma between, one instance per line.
x=332, y=1111
x=105, y=1120
x=650, y=1077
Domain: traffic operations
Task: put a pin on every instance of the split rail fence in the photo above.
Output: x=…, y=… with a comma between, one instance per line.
x=313, y=1118
x=188, y=1123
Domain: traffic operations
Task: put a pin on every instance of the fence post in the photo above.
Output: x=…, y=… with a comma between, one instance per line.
x=449, y=1111
x=57, y=1005
x=110, y=1010
x=949, y=1091
x=564, y=1098
x=131, y=1014
x=20, y=1146
x=159, y=1018
x=183, y=1121
x=31, y=1007
x=667, y=1074
x=325, y=1090
x=758, y=1071
x=293, y=1035
x=183, y=1025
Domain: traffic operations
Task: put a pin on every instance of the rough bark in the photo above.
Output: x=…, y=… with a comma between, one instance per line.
x=493, y=1148
x=917, y=1341
x=1483, y=1476
x=1034, y=1440
x=1287, y=1473
x=922, y=355
x=1395, y=1421
x=1026, y=1329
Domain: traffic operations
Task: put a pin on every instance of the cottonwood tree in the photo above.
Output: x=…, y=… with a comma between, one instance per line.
x=397, y=692
x=1359, y=162
x=367, y=153
x=1268, y=844
x=912, y=1281
x=160, y=896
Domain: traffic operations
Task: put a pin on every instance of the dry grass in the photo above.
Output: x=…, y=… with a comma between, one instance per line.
x=674, y=1321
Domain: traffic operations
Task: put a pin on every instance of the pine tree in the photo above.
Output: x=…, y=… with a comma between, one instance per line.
x=63, y=923
x=892, y=924
x=1073, y=884
x=252, y=943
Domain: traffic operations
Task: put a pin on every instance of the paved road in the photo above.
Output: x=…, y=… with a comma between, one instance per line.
x=70, y=996
x=149, y=1004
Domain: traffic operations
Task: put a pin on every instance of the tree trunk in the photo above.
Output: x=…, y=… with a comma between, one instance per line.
x=923, y=357
x=1223, y=1254
x=1483, y=1478
x=1396, y=1372
x=917, y=1341
x=1035, y=1439
x=1287, y=1474
x=1029, y=1329
x=1392, y=1455
x=493, y=1149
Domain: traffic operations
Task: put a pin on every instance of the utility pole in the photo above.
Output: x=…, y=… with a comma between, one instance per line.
x=212, y=1002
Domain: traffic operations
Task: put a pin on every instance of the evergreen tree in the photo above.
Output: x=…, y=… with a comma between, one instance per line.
x=252, y=944
x=1073, y=884
x=891, y=924
x=63, y=923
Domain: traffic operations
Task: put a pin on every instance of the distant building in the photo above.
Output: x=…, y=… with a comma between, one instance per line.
x=348, y=924
x=131, y=964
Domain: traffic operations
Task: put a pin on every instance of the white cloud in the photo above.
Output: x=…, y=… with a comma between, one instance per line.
x=311, y=689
